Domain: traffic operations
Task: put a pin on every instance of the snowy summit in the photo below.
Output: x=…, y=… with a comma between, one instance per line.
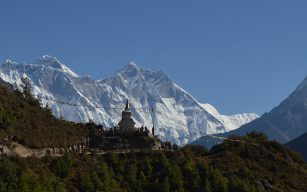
x=177, y=116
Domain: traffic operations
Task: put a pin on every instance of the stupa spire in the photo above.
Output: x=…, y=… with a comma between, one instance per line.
x=127, y=105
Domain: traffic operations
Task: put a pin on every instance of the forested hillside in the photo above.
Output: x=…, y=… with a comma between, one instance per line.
x=231, y=166
x=22, y=119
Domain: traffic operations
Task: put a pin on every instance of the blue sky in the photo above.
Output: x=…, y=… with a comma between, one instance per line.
x=240, y=56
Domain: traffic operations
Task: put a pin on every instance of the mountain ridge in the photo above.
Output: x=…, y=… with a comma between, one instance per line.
x=283, y=123
x=178, y=117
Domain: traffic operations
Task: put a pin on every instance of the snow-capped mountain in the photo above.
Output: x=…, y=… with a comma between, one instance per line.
x=177, y=116
x=232, y=122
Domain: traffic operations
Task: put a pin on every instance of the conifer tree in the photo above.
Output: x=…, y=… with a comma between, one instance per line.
x=166, y=185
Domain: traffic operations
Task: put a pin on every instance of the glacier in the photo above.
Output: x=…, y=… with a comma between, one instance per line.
x=155, y=99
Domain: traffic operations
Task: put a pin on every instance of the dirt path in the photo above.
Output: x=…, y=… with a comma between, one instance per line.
x=26, y=152
x=22, y=151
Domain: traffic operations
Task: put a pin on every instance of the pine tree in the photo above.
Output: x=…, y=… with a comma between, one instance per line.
x=166, y=185
x=26, y=87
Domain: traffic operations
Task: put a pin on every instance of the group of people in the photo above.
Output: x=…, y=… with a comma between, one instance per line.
x=77, y=148
x=169, y=146
x=111, y=130
x=144, y=129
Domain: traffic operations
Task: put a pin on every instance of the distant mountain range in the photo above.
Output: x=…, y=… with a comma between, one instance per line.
x=284, y=123
x=177, y=116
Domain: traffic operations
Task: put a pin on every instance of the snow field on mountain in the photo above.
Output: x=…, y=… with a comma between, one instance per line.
x=177, y=116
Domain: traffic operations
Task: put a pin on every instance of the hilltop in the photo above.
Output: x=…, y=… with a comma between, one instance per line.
x=23, y=121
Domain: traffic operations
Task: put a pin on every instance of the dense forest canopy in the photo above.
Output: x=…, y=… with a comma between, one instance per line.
x=229, y=166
